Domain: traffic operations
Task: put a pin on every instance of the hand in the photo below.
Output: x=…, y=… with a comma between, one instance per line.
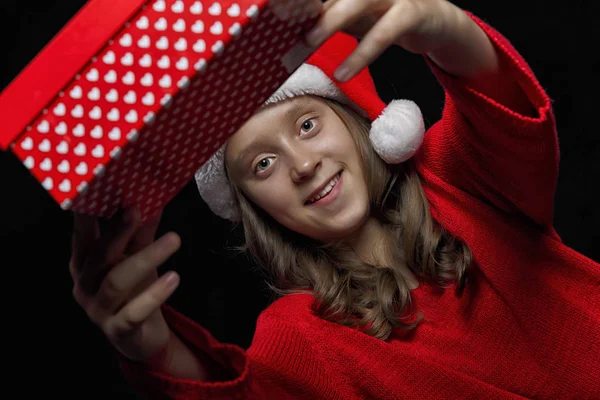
x=419, y=26
x=117, y=284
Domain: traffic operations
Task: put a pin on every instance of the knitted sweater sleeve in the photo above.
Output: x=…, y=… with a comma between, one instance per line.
x=486, y=148
x=283, y=362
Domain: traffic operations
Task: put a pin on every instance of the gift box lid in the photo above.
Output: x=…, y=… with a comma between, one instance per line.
x=41, y=80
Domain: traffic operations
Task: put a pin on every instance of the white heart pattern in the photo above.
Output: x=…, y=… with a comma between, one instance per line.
x=48, y=183
x=97, y=132
x=76, y=92
x=98, y=151
x=159, y=6
x=81, y=168
x=129, y=78
x=114, y=134
x=252, y=11
x=148, y=99
x=95, y=113
x=77, y=111
x=46, y=164
x=130, y=82
x=126, y=40
x=164, y=62
x=63, y=167
x=165, y=82
x=92, y=75
x=182, y=64
x=127, y=59
x=146, y=61
x=142, y=23
x=110, y=77
x=130, y=97
x=196, y=8
x=235, y=29
x=177, y=7
x=131, y=117
x=200, y=65
x=216, y=28
x=217, y=48
x=215, y=9
x=61, y=129
x=65, y=186
x=161, y=24
x=181, y=45
x=112, y=96
x=198, y=27
x=44, y=146
x=179, y=26
x=94, y=94
x=79, y=150
x=79, y=130
x=234, y=10
x=163, y=43
x=199, y=46
x=60, y=110
x=43, y=127
x=144, y=42
x=62, y=148
x=29, y=162
x=109, y=58
x=147, y=80
x=113, y=115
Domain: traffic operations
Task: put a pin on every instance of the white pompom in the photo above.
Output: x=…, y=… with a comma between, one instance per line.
x=398, y=132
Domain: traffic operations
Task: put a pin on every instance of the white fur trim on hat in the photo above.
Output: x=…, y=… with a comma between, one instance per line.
x=309, y=79
x=214, y=188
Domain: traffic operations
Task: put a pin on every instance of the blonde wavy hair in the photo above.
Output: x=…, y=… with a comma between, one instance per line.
x=347, y=290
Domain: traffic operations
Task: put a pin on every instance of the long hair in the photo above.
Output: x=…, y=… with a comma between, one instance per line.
x=347, y=290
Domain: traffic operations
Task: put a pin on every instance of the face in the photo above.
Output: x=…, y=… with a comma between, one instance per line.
x=297, y=161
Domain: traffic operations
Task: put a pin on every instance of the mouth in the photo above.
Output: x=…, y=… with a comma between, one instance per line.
x=325, y=190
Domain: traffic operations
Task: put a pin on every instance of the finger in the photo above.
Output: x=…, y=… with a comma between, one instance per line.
x=120, y=281
x=85, y=232
x=338, y=15
x=141, y=307
x=108, y=250
x=327, y=4
x=144, y=234
x=384, y=34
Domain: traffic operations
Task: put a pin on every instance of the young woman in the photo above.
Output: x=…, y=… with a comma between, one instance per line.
x=410, y=264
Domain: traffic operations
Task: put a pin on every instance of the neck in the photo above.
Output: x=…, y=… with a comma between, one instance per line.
x=370, y=241
x=373, y=244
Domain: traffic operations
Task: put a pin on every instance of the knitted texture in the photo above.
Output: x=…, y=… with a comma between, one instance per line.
x=527, y=324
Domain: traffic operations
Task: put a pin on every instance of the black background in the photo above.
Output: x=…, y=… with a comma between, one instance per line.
x=52, y=348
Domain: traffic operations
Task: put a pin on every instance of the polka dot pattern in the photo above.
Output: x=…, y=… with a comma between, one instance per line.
x=156, y=102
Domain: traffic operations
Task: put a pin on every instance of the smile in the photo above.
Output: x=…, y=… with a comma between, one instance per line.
x=328, y=193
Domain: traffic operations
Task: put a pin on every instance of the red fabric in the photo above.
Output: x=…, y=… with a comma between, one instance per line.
x=527, y=325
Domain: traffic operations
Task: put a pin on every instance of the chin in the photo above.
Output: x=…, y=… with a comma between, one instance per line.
x=340, y=226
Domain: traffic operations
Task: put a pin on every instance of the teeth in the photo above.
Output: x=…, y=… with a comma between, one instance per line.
x=326, y=189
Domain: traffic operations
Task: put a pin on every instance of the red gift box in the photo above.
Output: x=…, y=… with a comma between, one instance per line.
x=132, y=97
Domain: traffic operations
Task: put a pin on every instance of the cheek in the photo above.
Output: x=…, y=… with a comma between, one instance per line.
x=273, y=198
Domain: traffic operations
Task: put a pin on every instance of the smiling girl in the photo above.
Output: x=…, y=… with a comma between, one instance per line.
x=409, y=263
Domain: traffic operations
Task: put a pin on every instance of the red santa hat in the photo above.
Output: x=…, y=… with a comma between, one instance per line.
x=396, y=133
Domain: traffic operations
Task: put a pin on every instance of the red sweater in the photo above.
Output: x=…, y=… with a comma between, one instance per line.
x=527, y=325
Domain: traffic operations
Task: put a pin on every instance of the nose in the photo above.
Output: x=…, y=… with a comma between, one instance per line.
x=304, y=165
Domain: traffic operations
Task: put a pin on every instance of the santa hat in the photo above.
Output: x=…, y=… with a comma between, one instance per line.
x=396, y=133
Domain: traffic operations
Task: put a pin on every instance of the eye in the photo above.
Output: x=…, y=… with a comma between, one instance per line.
x=263, y=164
x=308, y=124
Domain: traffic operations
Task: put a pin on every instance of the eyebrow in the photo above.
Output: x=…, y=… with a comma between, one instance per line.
x=298, y=107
